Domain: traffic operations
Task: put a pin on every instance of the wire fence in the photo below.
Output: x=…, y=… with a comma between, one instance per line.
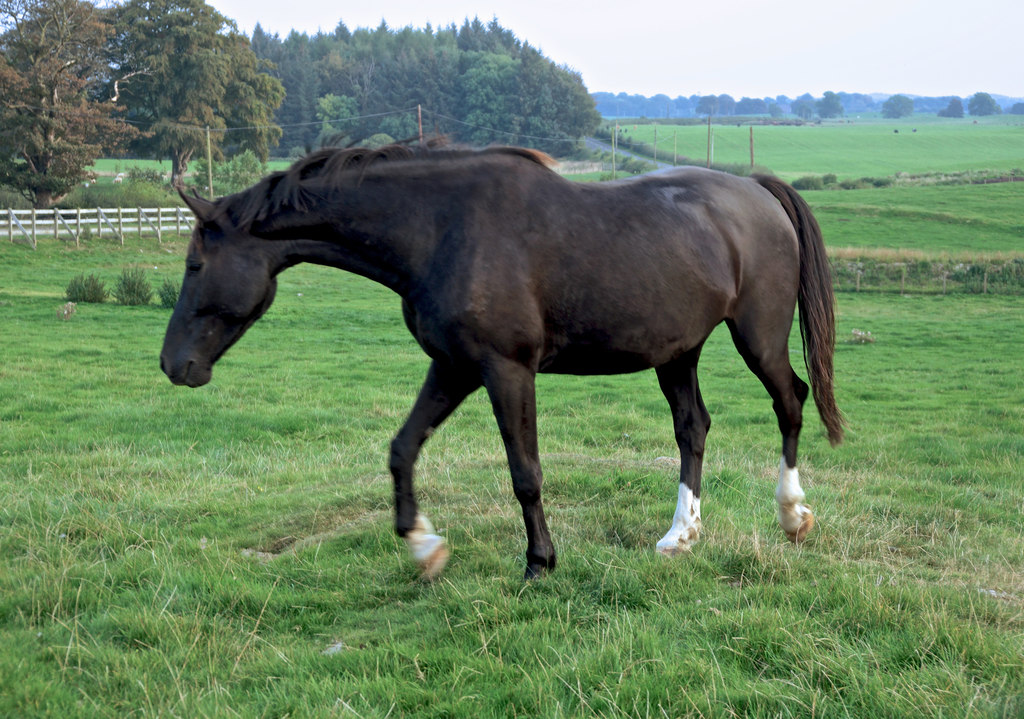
x=26, y=226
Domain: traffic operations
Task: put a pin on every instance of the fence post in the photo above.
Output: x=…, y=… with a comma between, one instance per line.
x=120, y=224
x=34, y=229
x=78, y=223
x=10, y=224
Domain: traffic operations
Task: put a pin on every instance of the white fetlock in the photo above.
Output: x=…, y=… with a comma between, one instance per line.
x=685, y=525
x=428, y=549
x=795, y=517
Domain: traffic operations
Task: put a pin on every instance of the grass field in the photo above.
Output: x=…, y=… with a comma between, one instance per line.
x=956, y=219
x=228, y=551
x=854, y=148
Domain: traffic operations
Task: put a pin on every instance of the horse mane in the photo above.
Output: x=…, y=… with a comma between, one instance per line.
x=291, y=188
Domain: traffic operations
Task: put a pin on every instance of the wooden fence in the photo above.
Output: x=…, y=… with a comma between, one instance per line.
x=25, y=226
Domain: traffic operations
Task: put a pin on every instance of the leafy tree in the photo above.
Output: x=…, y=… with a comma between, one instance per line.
x=234, y=175
x=981, y=103
x=190, y=69
x=898, y=106
x=751, y=106
x=803, y=108
x=829, y=106
x=488, y=88
x=955, y=108
x=707, y=105
x=1017, y=108
x=52, y=123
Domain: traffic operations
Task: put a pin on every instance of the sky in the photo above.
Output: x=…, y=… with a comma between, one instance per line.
x=752, y=48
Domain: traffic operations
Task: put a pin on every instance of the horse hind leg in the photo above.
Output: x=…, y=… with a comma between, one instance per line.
x=512, y=390
x=691, y=422
x=770, y=363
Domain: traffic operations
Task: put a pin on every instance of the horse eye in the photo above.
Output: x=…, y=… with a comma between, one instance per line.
x=193, y=267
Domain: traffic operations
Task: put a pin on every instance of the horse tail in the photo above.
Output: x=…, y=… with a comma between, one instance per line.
x=816, y=300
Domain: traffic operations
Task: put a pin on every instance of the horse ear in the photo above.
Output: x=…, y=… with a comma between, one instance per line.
x=202, y=209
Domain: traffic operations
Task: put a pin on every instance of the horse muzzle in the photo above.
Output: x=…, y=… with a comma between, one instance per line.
x=187, y=371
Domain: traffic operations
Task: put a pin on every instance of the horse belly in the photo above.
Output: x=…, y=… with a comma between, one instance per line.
x=635, y=347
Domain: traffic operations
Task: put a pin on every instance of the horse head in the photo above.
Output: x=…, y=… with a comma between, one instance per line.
x=229, y=283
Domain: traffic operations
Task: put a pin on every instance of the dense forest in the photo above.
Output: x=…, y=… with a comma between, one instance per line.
x=476, y=83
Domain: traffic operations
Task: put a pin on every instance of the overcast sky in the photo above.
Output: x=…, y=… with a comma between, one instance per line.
x=752, y=48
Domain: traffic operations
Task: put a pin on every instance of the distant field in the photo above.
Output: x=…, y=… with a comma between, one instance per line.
x=958, y=219
x=853, y=149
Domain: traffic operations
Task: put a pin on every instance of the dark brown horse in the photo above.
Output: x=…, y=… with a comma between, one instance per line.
x=506, y=270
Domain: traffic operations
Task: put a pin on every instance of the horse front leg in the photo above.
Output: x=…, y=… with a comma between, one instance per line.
x=442, y=391
x=511, y=388
x=691, y=421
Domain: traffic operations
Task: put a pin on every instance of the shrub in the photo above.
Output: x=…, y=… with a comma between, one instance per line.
x=85, y=289
x=146, y=174
x=810, y=182
x=168, y=294
x=133, y=288
x=129, y=194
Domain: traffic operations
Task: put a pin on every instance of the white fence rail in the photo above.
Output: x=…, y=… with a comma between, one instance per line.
x=25, y=226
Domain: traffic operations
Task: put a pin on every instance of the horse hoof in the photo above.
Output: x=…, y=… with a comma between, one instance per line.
x=428, y=549
x=797, y=522
x=671, y=545
x=434, y=562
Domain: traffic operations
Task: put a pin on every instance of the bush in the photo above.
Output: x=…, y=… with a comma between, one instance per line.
x=146, y=174
x=168, y=294
x=133, y=288
x=127, y=194
x=86, y=289
x=810, y=182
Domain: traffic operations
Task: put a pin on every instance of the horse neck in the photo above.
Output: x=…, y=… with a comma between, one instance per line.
x=382, y=237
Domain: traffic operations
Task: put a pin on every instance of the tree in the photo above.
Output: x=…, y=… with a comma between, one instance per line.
x=981, y=103
x=1017, y=108
x=803, y=108
x=751, y=106
x=707, y=105
x=829, y=106
x=191, y=70
x=53, y=124
x=898, y=106
x=955, y=108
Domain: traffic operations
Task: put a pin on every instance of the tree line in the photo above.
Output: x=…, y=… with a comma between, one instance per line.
x=805, y=107
x=167, y=79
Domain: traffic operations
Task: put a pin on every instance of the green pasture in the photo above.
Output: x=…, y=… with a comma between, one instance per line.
x=965, y=220
x=851, y=149
x=228, y=551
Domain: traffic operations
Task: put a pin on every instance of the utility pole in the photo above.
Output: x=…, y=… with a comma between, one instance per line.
x=209, y=163
x=615, y=140
x=709, y=140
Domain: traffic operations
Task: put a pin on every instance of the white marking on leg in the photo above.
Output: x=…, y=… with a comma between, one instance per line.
x=427, y=548
x=685, y=524
x=795, y=517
